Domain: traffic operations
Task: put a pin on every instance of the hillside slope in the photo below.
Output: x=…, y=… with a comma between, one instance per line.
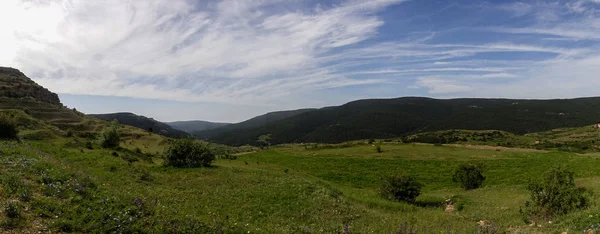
x=142, y=122
x=14, y=84
x=255, y=122
x=195, y=125
x=25, y=100
x=387, y=118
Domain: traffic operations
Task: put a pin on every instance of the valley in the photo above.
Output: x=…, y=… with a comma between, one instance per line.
x=59, y=176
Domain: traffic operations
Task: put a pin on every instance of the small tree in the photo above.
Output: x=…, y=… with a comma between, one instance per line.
x=556, y=194
x=469, y=176
x=188, y=153
x=8, y=128
x=400, y=188
x=264, y=141
x=111, y=137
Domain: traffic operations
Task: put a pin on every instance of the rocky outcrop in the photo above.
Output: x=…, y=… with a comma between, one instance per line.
x=14, y=84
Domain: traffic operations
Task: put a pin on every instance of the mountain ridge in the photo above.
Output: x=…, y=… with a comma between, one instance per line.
x=388, y=118
x=15, y=84
x=190, y=126
x=142, y=122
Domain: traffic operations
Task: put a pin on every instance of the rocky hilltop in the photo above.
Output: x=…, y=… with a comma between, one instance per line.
x=14, y=84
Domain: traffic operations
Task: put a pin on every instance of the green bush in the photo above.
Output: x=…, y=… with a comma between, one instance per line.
x=12, y=210
x=556, y=194
x=188, y=153
x=378, y=149
x=89, y=145
x=469, y=176
x=111, y=138
x=400, y=188
x=8, y=127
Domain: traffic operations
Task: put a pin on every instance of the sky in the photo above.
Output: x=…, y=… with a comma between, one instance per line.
x=231, y=60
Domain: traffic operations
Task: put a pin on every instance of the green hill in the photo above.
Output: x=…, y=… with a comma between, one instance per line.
x=195, y=125
x=14, y=84
x=390, y=118
x=256, y=122
x=143, y=122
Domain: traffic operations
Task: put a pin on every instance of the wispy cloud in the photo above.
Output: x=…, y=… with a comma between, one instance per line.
x=175, y=50
x=272, y=51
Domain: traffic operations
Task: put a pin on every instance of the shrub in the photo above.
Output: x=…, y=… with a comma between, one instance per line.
x=379, y=150
x=264, y=141
x=8, y=127
x=556, y=194
x=146, y=176
x=400, y=188
x=188, y=153
x=25, y=194
x=111, y=138
x=12, y=183
x=12, y=210
x=469, y=176
x=89, y=145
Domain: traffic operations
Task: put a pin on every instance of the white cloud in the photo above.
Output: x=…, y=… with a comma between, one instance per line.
x=517, y=9
x=437, y=85
x=272, y=51
x=170, y=49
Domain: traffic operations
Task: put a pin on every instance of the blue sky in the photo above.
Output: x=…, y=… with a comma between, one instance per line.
x=234, y=59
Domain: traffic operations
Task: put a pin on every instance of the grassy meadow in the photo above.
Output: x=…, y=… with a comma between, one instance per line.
x=284, y=189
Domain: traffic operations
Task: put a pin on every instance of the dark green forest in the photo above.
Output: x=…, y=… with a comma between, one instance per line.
x=390, y=118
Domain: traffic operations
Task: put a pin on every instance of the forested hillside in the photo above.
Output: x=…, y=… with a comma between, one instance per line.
x=255, y=122
x=195, y=125
x=386, y=118
x=143, y=122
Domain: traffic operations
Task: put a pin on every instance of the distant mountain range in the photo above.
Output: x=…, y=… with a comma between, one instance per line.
x=362, y=119
x=195, y=125
x=143, y=123
x=388, y=118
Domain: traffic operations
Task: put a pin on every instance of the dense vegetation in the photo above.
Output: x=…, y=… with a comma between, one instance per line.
x=469, y=176
x=143, y=122
x=8, y=127
x=556, y=194
x=110, y=137
x=195, y=125
x=256, y=122
x=400, y=188
x=389, y=118
x=188, y=153
x=14, y=84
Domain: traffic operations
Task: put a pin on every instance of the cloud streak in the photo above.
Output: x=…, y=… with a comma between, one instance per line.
x=249, y=52
x=222, y=51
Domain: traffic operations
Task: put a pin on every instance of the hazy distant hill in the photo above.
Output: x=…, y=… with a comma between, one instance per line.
x=385, y=118
x=255, y=122
x=195, y=125
x=143, y=123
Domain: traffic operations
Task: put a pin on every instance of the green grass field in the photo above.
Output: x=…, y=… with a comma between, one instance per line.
x=286, y=189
